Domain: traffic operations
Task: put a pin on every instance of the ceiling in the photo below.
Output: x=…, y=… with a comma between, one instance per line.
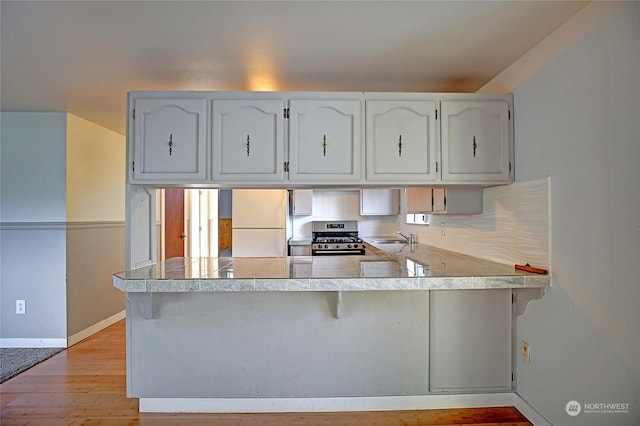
x=82, y=57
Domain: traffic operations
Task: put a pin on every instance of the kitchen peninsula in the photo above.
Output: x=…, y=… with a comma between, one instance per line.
x=414, y=267
x=380, y=331
x=234, y=334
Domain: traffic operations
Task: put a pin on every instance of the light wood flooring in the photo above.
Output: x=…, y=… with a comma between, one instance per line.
x=86, y=385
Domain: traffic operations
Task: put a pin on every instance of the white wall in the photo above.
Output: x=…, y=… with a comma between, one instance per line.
x=62, y=226
x=95, y=172
x=577, y=120
x=95, y=179
x=32, y=232
x=32, y=172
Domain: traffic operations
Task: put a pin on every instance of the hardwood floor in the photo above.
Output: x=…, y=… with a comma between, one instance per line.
x=86, y=385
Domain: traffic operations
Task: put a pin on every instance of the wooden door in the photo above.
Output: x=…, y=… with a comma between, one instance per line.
x=224, y=234
x=174, y=231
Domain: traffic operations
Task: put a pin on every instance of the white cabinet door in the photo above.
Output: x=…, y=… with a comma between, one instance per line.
x=379, y=202
x=169, y=140
x=296, y=250
x=476, y=141
x=419, y=200
x=402, y=141
x=248, y=140
x=302, y=202
x=325, y=140
x=439, y=200
x=465, y=200
x=470, y=340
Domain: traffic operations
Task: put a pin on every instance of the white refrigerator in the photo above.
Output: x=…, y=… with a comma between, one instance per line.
x=259, y=220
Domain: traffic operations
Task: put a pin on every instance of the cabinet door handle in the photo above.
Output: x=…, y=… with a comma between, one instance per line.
x=400, y=146
x=170, y=144
x=475, y=145
x=248, y=145
x=324, y=145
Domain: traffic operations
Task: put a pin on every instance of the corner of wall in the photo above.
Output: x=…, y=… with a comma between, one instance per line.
x=551, y=47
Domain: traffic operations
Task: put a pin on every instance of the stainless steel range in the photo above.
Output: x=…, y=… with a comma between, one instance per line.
x=336, y=238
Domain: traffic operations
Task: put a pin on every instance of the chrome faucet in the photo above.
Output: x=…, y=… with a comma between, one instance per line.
x=409, y=239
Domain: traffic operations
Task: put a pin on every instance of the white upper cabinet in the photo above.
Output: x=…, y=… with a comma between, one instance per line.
x=169, y=140
x=325, y=140
x=293, y=139
x=379, y=202
x=401, y=142
x=476, y=141
x=302, y=202
x=441, y=200
x=248, y=140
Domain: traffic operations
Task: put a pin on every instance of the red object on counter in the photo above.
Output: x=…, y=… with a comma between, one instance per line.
x=529, y=268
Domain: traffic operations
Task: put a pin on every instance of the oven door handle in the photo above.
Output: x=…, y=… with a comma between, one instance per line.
x=337, y=252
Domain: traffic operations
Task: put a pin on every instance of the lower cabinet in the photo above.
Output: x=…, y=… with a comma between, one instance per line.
x=470, y=340
x=299, y=250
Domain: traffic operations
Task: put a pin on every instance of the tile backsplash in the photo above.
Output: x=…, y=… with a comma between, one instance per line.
x=513, y=228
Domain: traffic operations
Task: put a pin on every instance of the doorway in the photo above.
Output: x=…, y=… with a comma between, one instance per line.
x=190, y=218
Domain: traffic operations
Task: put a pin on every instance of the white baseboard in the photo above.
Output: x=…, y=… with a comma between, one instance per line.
x=72, y=340
x=33, y=343
x=298, y=405
x=61, y=343
x=529, y=412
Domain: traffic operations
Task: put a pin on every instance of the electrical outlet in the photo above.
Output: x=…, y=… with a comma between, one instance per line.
x=525, y=352
x=442, y=229
x=21, y=307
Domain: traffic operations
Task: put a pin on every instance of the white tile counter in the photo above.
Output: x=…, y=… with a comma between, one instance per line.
x=416, y=267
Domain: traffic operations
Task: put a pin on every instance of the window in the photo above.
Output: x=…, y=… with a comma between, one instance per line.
x=418, y=219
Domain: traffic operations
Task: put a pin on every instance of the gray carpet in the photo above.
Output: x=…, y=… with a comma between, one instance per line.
x=14, y=361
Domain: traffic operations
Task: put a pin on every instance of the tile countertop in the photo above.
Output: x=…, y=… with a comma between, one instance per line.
x=408, y=267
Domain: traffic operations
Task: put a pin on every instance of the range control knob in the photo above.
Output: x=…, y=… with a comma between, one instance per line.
x=350, y=245
x=326, y=246
x=354, y=246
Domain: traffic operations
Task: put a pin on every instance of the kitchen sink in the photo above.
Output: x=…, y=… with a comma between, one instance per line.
x=389, y=241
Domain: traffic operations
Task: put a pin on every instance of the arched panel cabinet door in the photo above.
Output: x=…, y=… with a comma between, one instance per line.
x=325, y=140
x=476, y=141
x=402, y=144
x=248, y=140
x=169, y=140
